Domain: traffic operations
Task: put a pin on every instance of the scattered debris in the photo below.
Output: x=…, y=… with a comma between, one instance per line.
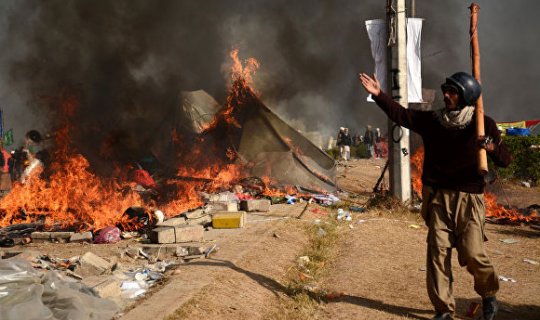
x=303, y=260
x=526, y=184
x=357, y=209
x=531, y=261
x=506, y=279
x=345, y=215
x=414, y=226
x=108, y=235
x=508, y=241
x=27, y=293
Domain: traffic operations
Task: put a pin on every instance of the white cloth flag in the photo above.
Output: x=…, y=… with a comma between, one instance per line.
x=378, y=36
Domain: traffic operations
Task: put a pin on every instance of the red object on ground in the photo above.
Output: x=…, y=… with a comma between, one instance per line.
x=108, y=235
x=142, y=177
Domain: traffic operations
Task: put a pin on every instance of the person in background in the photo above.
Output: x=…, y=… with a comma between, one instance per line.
x=377, y=144
x=5, y=177
x=346, y=141
x=34, y=151
x=368, y=141
x=339, y=140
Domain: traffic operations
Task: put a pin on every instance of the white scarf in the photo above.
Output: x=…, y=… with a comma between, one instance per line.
x=457, y=119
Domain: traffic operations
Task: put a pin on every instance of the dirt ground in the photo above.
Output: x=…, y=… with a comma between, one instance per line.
x=378, y=267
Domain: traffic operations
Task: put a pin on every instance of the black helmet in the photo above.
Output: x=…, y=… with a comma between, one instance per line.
x=34, y=135
x=467, y=86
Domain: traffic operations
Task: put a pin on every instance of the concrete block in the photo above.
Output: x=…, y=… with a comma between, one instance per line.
x=92, y=265
x=163, y=235
x=173, y=222
x=228, y=220
x=189, y=233
x=223, y=206
x=107, y=287
x=261, y=205
x=39, y=237
x=81, y=237
x=198, y=217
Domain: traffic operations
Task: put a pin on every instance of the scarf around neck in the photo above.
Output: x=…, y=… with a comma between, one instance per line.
x=457, y=119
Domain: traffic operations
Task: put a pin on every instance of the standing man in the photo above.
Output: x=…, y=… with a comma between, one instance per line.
x=346, y=141
x=369, y=141
x=377, y=145
x=453, y=201
x=339, y=141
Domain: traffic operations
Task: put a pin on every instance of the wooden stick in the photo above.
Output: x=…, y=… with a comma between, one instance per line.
x=475, y=55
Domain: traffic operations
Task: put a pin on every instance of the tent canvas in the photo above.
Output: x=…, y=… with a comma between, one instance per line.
x=265, y=144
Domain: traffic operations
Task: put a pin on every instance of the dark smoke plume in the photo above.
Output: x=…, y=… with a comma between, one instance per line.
x=128, y=61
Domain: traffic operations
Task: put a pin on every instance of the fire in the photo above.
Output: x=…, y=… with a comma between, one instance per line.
x=417, y=161
x=70, y=196
x=493, y=209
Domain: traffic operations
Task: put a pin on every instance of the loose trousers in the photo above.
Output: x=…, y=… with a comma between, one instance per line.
x=455, y=220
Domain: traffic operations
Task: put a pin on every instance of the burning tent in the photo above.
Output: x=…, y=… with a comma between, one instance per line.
x=275, y=149
x=264, y=144
x=200, y=107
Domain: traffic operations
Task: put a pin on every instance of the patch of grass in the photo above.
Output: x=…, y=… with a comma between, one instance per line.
x=303, y=289
x=388, y=206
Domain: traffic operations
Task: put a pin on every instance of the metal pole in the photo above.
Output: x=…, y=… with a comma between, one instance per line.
x=400, y=171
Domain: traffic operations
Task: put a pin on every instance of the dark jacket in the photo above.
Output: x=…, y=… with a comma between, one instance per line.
x=450, y=160
x=346, y=140
x=368, y=137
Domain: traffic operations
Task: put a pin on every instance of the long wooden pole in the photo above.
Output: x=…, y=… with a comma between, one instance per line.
x=475, y=55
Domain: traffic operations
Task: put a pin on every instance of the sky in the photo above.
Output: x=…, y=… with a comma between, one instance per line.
x=128, y=60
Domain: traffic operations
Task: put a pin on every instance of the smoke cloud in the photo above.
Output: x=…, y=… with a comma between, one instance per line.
x=128, y=61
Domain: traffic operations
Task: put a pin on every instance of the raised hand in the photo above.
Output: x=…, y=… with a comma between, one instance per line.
x=371, y=85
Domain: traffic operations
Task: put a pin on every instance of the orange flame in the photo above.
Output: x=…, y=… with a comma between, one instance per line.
x=73, y=197
x=493, y=209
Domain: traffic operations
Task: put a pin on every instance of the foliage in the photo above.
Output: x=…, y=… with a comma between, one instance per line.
x=356, y=152
x=526, y=158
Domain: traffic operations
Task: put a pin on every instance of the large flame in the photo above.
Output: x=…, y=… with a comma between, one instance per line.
x=72, y=197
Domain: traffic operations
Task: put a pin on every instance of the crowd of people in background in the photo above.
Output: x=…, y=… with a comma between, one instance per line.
x=374, y=142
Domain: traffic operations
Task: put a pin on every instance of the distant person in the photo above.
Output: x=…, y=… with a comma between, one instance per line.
x=369, y=139
x=377, y=145
x=35, y=154
x=339, y=140
x=357, y=140
x=5, y=177
x=453, y=191
x=346, y=142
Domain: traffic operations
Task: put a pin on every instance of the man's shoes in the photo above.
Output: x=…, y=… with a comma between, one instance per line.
x=490, y=308
x=443, y=316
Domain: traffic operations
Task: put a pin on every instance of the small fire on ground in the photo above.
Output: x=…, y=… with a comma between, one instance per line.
x=494, y=211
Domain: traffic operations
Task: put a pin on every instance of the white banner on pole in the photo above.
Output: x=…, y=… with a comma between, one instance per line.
x=378, y=36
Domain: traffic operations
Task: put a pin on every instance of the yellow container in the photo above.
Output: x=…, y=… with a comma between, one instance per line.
x=228, y=220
